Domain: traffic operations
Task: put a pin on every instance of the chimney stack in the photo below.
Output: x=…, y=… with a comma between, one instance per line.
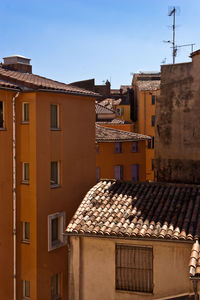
x=17, y=63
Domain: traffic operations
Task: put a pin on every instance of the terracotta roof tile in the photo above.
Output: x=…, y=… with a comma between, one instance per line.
x=36, y=82
x=140, y=210
x=106, y=134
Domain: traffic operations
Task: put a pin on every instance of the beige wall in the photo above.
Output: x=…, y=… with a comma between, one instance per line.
x=177, y=132
x=94, y=259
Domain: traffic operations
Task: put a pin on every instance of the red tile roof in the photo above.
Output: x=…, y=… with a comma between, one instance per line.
x=36, y=82
x=139, y=210
x=107, y=134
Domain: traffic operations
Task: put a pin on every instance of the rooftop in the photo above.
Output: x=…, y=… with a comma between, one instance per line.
x=101, y=109
x=148, y=85
x=24, y=81
x=107, y=134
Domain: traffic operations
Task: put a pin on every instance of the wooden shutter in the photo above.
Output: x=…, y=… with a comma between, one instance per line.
x=134, y=268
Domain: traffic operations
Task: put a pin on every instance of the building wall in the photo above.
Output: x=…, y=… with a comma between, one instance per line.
x=6, y=224
x=126, y=112
x=106, y=159
x=74, y=147
x=125, y=127
x=178, y=127
x=93, y=269
x=144, y=124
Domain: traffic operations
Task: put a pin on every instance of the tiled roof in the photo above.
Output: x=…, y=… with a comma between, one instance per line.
x=148, y=85
x=114, y=121
x=6, y=84
x=194, y=263
x=100, y=109
x=107, y=134
x=36, y=82
x=139, y=210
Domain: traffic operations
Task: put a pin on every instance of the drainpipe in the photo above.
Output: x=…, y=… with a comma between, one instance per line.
x=14, y=196
x=195, y=287
x=144, y=112
x=68, y=267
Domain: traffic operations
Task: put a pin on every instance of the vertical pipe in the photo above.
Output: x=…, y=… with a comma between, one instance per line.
x=174, y=54
x=14, y=195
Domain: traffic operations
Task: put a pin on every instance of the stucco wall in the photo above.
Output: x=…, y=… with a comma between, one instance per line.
x=177, y=123
x=93, y=272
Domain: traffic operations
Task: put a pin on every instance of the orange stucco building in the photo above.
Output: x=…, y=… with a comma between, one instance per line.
x=54, y=164
x=146, y=89
x=120, y=154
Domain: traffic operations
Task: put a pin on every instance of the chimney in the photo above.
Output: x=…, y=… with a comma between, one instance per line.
x=17, y=63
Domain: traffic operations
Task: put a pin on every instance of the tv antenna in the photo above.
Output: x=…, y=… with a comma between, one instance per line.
x=174, y=46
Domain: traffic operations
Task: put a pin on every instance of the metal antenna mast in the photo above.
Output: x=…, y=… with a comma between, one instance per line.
x=173, y=12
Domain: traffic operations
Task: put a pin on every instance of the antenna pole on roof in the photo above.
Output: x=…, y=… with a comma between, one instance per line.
x=173, y=12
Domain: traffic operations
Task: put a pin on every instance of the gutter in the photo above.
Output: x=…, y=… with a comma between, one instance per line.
x=69, y=92
x=129, y=238
x=14, y=197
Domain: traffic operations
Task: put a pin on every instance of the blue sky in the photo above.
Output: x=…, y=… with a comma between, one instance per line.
x=71, y=40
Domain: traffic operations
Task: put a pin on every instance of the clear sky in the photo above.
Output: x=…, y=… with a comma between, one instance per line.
x=71, y=40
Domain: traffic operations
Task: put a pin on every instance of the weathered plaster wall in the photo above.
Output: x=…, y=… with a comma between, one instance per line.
x=177, y=155
x=93, y=269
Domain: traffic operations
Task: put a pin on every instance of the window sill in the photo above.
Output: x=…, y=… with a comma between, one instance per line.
x=3, y=129
x=25, y=122
x=56, y=297
x=26, y=298
x=55, y=129
x=25, y=242
x=26, y=182
x=55, y=186
x=56, y=245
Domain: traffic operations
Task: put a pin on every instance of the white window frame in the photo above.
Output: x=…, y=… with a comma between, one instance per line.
x=61, y=228
x=58, y=117
x=57, y=184
x=24, y=180
x=24, y=289
x=23, y=113
x=24, y=239
x=58, y=296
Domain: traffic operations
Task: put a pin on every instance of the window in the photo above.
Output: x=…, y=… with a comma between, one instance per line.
x=97, y=174
x=152, y=164
x=118, y=147
x=135, y=172
x=153, y=99
x=55, y=286
x=26, y=232
x=25, y=172
x=25, y=112
x=135, y=147
x=134, y=268
x=1, y=115
x=153, y=121
x=149, y=144
x=26, y=289
x=56, y=227
x=118, y=172
x=55, y=176
x=152, y=143
x=54, y=116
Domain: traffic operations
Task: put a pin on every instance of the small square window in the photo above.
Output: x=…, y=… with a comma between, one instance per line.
x=134, y=268
x=56, y=227
x=25, y=172
x=153, y=121
x=153, y=99
x=26, y=232
x=25, y=112
x=26, y=289
x=135, y=147
x=55, y=173
x=54, y=116
x=118, y=147
x=55, y=286
x=1, y=114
